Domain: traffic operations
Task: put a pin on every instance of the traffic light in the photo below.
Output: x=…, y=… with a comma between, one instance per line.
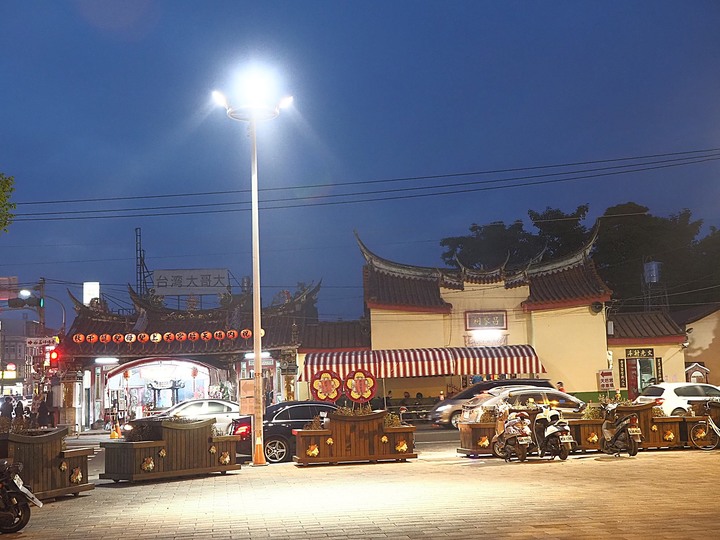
x=32, y=301
x=54, y=359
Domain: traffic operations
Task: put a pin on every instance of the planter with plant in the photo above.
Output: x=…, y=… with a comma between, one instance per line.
x=48, y=466
x=169, y=448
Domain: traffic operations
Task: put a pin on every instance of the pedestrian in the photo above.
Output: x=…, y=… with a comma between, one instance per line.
x=6, y=409
x=560, y=386
x=43, y=414
x=19, y=409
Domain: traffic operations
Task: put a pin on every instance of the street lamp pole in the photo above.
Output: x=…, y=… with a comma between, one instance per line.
x=251, y=115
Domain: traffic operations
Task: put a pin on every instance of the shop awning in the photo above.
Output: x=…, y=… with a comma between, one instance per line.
x=428, y=362
x=508, y=359
x=417, y=362
x=342, y=363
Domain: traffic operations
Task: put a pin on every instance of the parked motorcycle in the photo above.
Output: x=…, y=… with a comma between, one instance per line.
x=552, y=434
x=14, y=498
x=619, y=434
x=515, y=437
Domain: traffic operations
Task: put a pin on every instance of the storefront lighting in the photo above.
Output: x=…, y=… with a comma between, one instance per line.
x=105, y=361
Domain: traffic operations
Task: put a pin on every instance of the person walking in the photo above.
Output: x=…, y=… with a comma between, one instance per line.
x=6, y=409
x=19, y=409
x=43, y=414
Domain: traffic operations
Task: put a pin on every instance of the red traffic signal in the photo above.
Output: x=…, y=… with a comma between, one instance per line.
x=54, y=359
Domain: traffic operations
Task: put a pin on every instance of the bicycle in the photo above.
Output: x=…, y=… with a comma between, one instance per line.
x=705, y=435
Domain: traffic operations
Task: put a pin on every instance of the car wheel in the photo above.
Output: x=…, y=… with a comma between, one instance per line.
x=276, y=450
x=678, y=412
x=455, y=420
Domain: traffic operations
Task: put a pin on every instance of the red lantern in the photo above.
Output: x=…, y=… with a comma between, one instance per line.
x=156, y=337
x=79, y=338
x=130, y=338
x=193, y=336
x=91, y=338
x=231, y=334
x=219, y=335
x=180, y=336
x=105, y=338
x=118, y=338
x=143, y=337
x=246, y=333
x=169, y=336
x=206, y=336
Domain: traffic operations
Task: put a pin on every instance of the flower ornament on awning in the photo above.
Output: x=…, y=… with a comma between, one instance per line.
x=326, y=386
x=360, y=386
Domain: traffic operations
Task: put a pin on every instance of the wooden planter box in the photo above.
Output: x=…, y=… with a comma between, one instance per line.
x=586, y=432
x=657, y=431
x=49, y=470
x=355, y=438
x=185, y=449
x=476, y=438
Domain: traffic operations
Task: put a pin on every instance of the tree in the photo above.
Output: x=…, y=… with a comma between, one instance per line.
x=561, y=233
x=7, y=186
x=629, y=237
x=488, y=246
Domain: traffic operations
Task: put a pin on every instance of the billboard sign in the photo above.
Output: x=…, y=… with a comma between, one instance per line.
x=191, y=282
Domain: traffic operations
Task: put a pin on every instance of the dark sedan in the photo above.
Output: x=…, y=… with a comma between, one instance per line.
x=278, y=423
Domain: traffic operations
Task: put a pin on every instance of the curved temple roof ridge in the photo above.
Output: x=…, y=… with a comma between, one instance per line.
x=534, y=266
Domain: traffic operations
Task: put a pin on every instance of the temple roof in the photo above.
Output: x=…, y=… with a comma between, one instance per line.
x=340, y=335
x=644, y=327
x=562, y=282
x=98, y=332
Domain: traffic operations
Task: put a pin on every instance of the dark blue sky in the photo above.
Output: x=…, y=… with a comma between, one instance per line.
x=102, y=100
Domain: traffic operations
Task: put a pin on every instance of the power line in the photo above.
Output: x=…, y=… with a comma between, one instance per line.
x=318, y=200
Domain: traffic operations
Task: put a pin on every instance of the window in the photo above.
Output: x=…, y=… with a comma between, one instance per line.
x=217, y=407
x=282, y=415
x=300, y=413
x=689, y=391
x=653, y=391
x=193, y=408
x=711, y=391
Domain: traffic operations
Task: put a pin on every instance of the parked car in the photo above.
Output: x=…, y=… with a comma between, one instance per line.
x=447, y=412
x=676, y=399
x=523, y=396
x=278, y=423
x=221, y=410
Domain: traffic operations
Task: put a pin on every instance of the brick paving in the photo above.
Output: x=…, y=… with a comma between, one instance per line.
x=667, y=494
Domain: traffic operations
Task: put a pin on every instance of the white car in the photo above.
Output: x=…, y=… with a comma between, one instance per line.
x=675, y=399
x=221, y=410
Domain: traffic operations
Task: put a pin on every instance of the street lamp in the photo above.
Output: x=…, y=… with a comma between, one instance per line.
x=252, y=114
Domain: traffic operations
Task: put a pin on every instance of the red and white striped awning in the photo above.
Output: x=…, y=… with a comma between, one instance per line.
x=505, y=359
x=417, y=362
x=502, y=360
x=341, y=363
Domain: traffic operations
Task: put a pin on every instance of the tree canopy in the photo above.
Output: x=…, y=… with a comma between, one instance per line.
x=7, y=186
x=629, y=236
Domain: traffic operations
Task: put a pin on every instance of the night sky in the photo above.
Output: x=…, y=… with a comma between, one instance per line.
x=406, y=114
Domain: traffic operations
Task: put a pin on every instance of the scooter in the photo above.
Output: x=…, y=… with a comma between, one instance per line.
x=14, y=498
x=552, y=434
x=515, y=437
x=619, y=434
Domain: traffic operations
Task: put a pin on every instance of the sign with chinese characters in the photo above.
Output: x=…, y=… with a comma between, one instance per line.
x=486, y=320
x=659, y=370
x=640, y=353
x=191, y=282
x=606, y=381
x=40, y=341
x=622, y=373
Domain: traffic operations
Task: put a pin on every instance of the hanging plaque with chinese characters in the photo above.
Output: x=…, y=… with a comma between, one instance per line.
x=486, y=320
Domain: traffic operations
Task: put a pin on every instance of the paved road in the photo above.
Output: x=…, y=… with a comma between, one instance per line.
x=667, y=494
